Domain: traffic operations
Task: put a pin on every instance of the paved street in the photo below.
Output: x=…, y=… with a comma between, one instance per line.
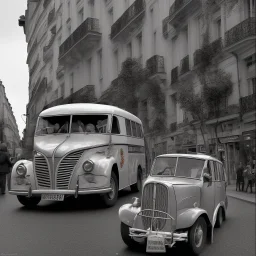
x=81, y=228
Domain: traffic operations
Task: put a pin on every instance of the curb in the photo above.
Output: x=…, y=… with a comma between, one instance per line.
x=241, y=199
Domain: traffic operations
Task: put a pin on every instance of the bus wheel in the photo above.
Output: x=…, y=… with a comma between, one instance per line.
x=109, y=199
x=137, y=186
x=29, y=202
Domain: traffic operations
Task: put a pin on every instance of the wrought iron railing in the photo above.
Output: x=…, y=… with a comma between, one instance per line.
x=51, y=16
x=175, y=75
x=184, y=65
x=165, y=26
x=173, y=127
x=89, y=25
x=131, y=13
x=155, y=64
x=248, y=103
x=177, y=5
x=48, y=47
x=241, y=31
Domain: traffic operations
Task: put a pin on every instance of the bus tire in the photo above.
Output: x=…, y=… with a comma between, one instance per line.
x=29, y=202
x=137, y=187
x=109, y=199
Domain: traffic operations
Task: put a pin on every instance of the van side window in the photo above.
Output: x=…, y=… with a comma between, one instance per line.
x=138, y=130
x=222, y=177
x=134, y=133
x=128, y=127
x=115, y=126
x=211, y=168
x=217, y=169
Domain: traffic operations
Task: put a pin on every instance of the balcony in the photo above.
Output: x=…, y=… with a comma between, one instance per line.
x=82, y=40
x=175, y=75
x=60, y=72
x=155, y=66
x=84, y=95
x=173, y=127
x=129, y=20
x=248, y=103
x=51, y=16
x=181, y=9
x=241, y=36
x=215, y=48
x=184, y=65
x=48, y=50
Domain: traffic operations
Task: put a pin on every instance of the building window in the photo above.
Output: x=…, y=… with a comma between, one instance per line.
x=100, y=64
x=91, y=8
x=250, y=60
x=111, y=16
x=154, y=43
x=71, y=82
x=69, y=29
x=89, y=64
x=62, y=90
x=185, y=32
x=129, y=50
x=81, y=16
x=116, y=62
x=139, y=39
x=223, y=103
x=252, y=85
x=251, y=8
x=174, y=52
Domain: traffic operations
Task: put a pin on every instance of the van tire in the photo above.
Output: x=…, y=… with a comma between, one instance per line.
x=110, y=199
x=137, y=187
x=29, y=202
x=220, y=218
x=194, y=247
x=126, y=238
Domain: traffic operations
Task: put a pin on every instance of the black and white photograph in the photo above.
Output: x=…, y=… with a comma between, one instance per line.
x=127, y=127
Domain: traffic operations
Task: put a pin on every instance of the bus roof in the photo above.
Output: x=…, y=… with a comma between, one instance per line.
x=88, y=108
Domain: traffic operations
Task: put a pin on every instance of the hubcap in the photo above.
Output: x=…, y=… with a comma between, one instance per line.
x=198, y=236
x=112, y=193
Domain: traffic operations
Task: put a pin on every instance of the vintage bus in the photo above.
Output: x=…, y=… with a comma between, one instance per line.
x=81, y=149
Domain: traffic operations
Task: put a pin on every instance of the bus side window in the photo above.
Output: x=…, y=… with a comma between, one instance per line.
x=128, y=127
x=115, y=126
x=134, y=132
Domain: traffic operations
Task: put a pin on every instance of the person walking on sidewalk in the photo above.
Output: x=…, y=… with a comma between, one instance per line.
x=250, y=177
x=5, y=165
x=239, y=177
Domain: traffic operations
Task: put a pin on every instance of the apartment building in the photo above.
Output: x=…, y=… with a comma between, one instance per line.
x=76, y=49
x=9, y=133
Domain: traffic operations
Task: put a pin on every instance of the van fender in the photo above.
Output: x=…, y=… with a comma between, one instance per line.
x=215, y=214
x=187, y=217
x=127, y=214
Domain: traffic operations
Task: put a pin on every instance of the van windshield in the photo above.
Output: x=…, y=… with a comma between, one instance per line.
x=178, y=167
x=89, y=124
x=53, y=125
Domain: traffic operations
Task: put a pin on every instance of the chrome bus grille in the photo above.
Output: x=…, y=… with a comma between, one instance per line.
x=42, y=172
x=66, y=168
x=161, y=204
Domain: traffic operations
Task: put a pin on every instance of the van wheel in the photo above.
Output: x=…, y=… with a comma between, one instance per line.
x=29, y=202
x=137, y=186
x=109, y=199
x=197, y=236
x=126, y=238
x=220, y=218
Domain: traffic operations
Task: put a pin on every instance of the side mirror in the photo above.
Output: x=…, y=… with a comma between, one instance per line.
x=207, y=177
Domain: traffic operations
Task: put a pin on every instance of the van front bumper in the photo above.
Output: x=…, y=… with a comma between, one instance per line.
x=74, y=192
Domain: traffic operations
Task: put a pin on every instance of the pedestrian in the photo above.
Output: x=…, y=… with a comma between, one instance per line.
x=250, y=178
x=239, y=177
x=5, y=165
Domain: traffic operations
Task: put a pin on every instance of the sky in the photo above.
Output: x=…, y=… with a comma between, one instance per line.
x=13, y=54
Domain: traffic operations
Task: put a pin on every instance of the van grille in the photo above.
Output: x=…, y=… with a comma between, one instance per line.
x=42, y=172
x=66, y=169
x=161, y=204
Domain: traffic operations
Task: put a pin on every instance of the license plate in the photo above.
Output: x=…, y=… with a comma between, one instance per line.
x=52, y=197
x=156, y=244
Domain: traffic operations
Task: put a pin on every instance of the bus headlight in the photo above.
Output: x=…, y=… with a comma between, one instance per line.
x=88, y=166
x=21, y=170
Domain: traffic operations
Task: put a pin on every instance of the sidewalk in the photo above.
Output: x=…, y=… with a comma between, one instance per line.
x=248, y=197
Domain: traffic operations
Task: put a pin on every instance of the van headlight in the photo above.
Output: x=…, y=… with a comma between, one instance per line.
x=21, y=170
x=88, y=166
